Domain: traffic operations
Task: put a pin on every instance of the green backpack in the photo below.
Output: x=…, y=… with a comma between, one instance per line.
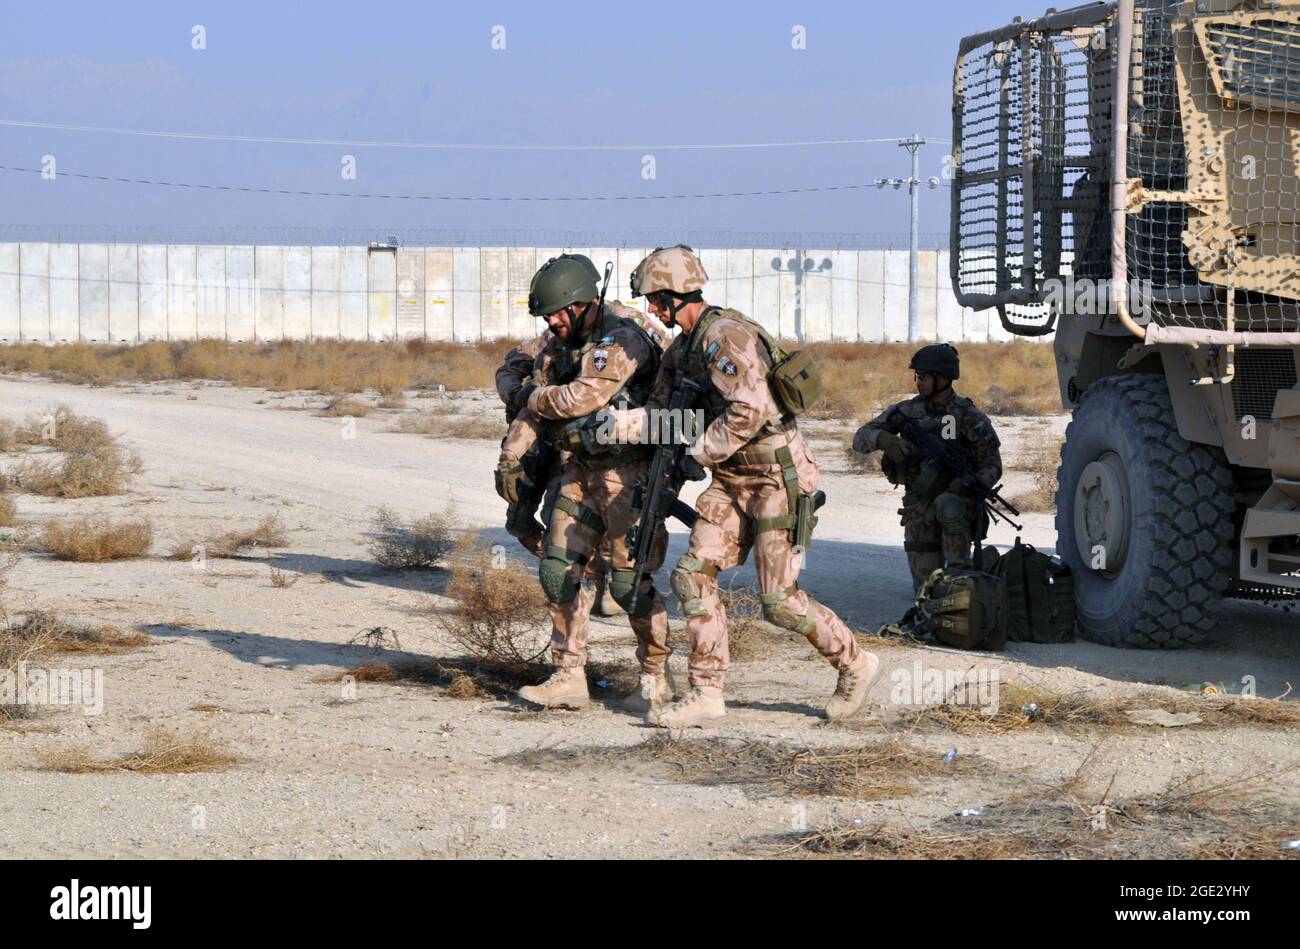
x=1039, y=596
x=963, y=609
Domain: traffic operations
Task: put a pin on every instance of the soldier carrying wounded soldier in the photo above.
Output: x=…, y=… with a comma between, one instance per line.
x=541, y=461
x=595, y=358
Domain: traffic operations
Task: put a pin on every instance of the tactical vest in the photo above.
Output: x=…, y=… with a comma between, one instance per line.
x=696, y=368
x=565, y=368
x=794, y=385
x=924, y=479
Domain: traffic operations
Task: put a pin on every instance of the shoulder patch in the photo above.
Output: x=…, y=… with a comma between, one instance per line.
x=600, y=359
x=726, y=365
x=712, y=350
x=605, y=341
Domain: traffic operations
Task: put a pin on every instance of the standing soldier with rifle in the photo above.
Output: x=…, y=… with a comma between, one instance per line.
x=764, y=488
x=594, y=359
x=942, y=512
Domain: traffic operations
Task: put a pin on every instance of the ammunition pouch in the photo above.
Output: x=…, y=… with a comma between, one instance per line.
x=932, y=481
x=794, y=379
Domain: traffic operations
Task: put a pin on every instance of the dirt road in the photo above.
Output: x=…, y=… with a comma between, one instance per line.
x=405, y=770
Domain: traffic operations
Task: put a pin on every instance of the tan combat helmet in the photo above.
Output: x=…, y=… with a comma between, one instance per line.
x=673, y=269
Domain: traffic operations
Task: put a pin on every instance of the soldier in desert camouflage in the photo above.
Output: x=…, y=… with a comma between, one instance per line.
x=760, y=465
x=593, y=359
x=939, y=516
x=513, y=379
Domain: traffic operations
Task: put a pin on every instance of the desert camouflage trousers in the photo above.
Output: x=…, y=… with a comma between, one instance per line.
x=937, y=534
x=721, y=539
x=592, y=513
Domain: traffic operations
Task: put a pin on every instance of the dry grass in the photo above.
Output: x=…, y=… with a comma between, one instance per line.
x=96, y=539
x=748, y=635
x=1021, y=707
x=43, y=633
x=89, y=461
x=283, y=579
x=1192, y=817
x=500, y=617
x=417, y=544
x=449, y=425
x=47, y=632
x=366, y=672
x=345, y=406
x=861, y=379
x=1040, y=461
x=321, y=365
x=267, y=533
x=881, y=843
x=8, y=512
x=459, y=678
x=882, y=770
x=163, y=752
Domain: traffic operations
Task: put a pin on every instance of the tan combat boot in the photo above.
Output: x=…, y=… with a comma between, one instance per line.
x=566, y=688
x=653, y=692
x=851, y=691
x=698, y=707
x=604, y=604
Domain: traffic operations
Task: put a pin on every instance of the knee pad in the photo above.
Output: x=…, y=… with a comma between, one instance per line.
x=687, y=588
x=557, y=577
x=777, y=612
x=620, y=588
x=951, y=512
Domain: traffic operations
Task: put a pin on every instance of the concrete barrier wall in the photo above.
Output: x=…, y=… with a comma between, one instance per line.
x=130, y=293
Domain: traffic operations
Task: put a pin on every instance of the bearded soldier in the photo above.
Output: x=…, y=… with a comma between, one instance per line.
x=763, y=475
x=594, y=359
x=940, y=518
x=514, y=386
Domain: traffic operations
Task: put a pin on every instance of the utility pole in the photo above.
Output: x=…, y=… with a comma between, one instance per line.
x=913, y=145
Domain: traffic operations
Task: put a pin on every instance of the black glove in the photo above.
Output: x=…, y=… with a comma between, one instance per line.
x=519, y=401
x=689, y=469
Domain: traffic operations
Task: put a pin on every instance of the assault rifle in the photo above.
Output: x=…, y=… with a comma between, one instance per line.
x=655, y=498
x=947, y=455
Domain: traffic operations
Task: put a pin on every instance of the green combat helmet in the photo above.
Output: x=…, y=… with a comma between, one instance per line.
x=940, y=359
x=563, y=281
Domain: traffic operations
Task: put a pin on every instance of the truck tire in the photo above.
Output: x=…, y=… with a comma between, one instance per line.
x=1143, y=518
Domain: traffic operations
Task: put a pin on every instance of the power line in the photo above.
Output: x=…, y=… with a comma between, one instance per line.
x=442, y=197
x=439, y=146
x=425, y=236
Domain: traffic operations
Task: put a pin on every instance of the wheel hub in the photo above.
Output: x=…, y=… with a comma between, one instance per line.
x=1102, y=517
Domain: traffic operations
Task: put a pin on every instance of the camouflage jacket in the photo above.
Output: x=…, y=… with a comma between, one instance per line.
x=608, y=365
x=739, y=408
x=520, y=363
x=972, y=428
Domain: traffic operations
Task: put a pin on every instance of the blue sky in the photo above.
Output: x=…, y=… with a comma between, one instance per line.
x=573, y=73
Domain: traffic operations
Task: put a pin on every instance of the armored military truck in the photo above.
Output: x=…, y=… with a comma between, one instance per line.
x=1125, y=177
